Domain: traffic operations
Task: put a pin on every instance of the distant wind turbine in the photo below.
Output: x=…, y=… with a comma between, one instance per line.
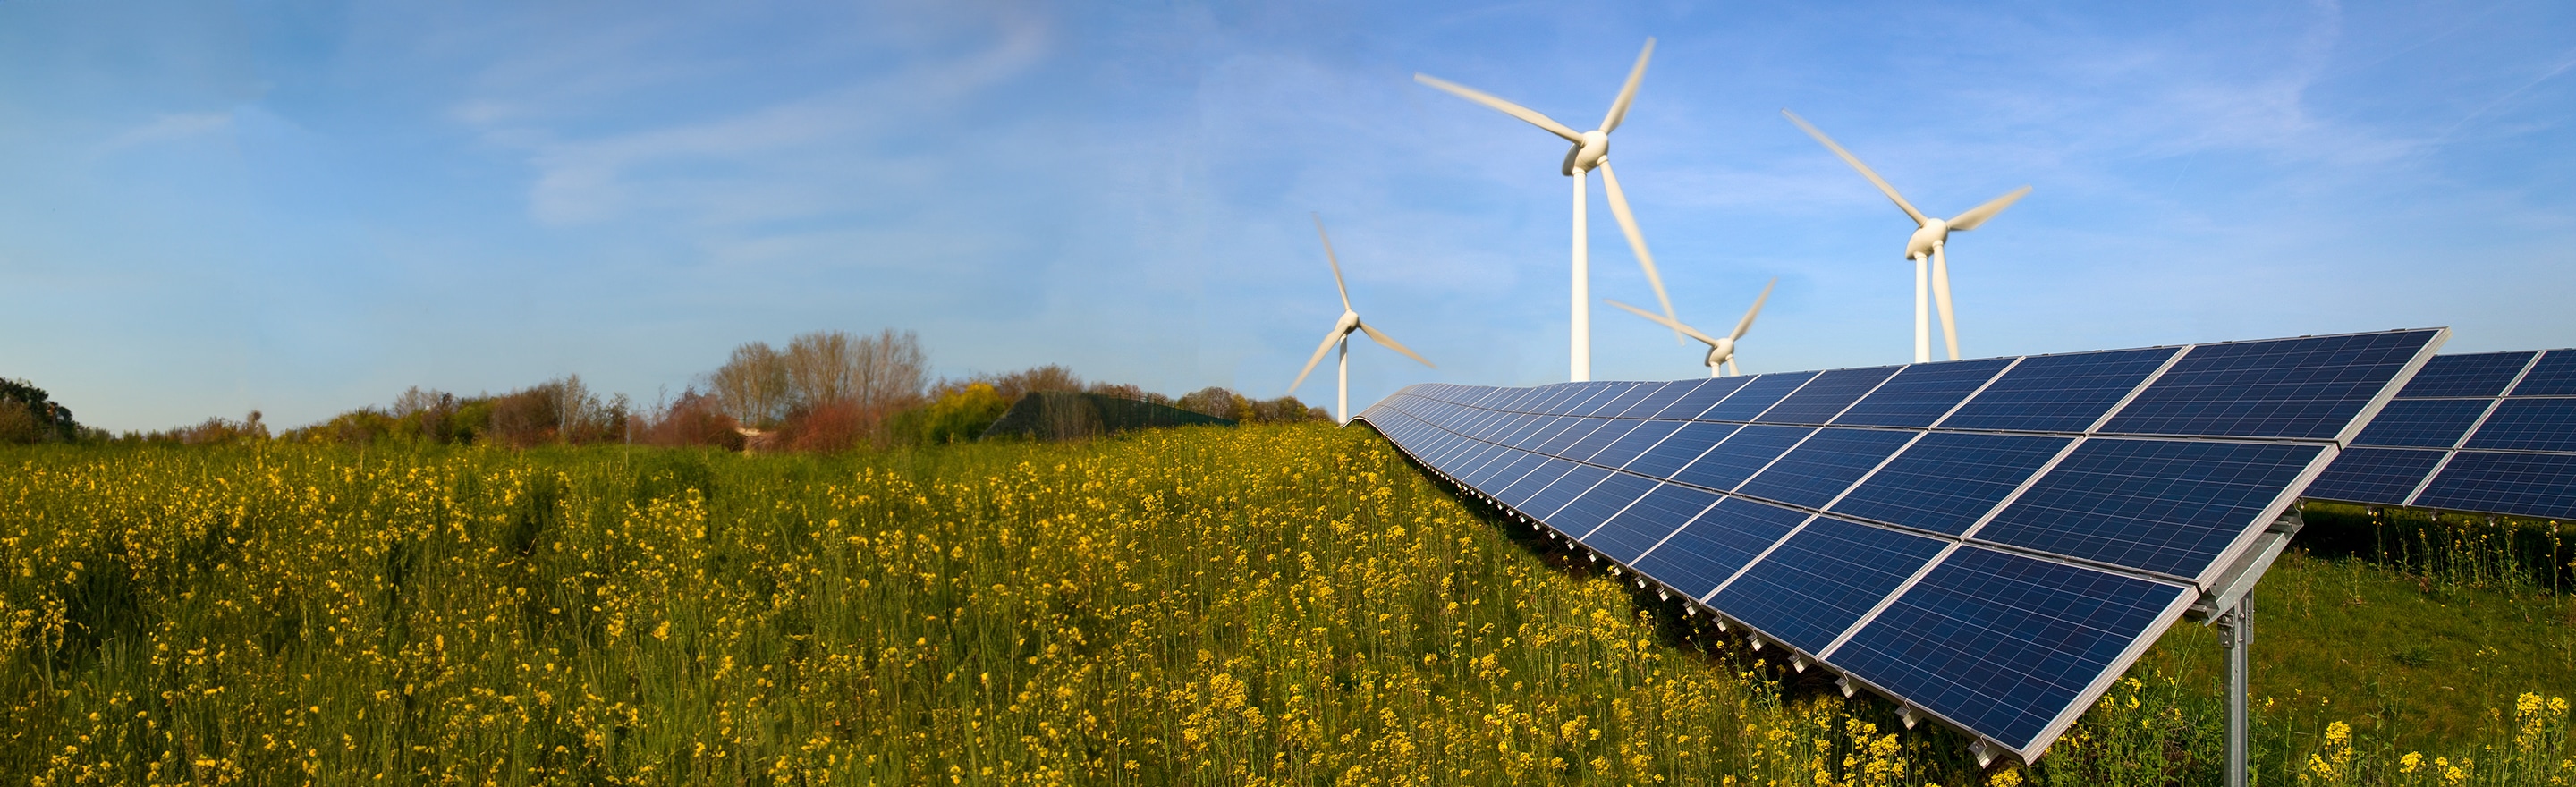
x=1720, y=351
x=1591, y=151
x=1341, y=335
x=1930, y=235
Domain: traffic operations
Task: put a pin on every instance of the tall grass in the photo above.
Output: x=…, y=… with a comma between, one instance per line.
x=1246, y=606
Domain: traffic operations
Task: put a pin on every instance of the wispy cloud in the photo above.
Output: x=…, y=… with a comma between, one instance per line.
x=170, y=128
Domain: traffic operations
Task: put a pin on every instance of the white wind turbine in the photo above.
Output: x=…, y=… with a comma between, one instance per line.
x=1720, y=351
x=1591, y=151
x=1341, y=335
x=1930, y=234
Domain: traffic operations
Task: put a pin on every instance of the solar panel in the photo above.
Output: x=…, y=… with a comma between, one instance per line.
x=1989, y=542
x=2498, y=433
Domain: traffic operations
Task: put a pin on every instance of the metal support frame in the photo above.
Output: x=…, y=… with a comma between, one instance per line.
x=2238, y=639
x=2228, y=605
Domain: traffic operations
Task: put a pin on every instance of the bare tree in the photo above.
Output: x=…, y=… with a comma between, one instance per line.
x=821, y=369
x=752, y=385
x=892, y=371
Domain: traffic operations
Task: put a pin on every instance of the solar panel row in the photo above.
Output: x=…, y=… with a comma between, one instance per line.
x=2486, y=432
x=1988, y=541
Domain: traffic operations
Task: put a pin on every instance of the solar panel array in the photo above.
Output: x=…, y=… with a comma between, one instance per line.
x=2489, y=432
x=1990, y=542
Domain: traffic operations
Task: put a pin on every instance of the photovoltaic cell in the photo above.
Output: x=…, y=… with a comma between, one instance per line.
x=2058, y=393
x=1825, y=396
x=2168, y=506
x=2532, y=485
x=1577, y=480
x=1699, y=398
x=1626, y=399
x=1678, y=450
x=1657, y=514
x=2302, y=388
x=1825, y=465
x=1576, y=428
x=1756, y=396
x=2554, y=375
x=1947, y=480
x=2529, y=425
x=1920, y=393
x=1627, y=447
x=1740, y=456
x=1663, y=397
x=1823, y=579
x=2373, y=475
x=2422, y=423
x=1611, y=430
x=2478, y=374
x=2005, y=644
x=1596, y=506
x=1711, y=548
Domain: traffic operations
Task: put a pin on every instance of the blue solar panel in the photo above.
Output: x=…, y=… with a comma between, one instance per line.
x=2169, y=506
x=1707, y=393
x=1656, y=515
x=1654, y=475
x=2554, y=375
x=1826, y=396
x=2304, y=388
x=1825, y=465
x=1949, y=480
x=1677, y=451
x=1600, y=502
x=1661, y=397
x=1627, y=398
x=1919, y=395
x=2058, y=393
x=2529, y=425
x=1577, y=480
x=1620, y=452
x=1611, y=430
x=2422, y=423
x=2533, y=485
x=1823, y=579
x=2479, y=374
x=1740, y=456
x=2385, y=476
x=1756, y=396
x=1576, y=428
x=1711, y=548
x=2005, y=644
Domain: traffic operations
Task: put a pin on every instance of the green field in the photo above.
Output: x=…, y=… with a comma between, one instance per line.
x=1289, y=604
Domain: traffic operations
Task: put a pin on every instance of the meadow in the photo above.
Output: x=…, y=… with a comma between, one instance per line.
x=1263, y=605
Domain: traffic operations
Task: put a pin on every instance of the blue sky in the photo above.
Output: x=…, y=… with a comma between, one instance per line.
x=306, y=207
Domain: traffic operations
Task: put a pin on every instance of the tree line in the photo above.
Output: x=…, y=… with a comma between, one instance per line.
x=824, y=391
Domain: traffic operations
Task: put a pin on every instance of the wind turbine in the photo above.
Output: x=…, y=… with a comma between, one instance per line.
x=1930, y=234
x=1591, y=151
x=1720, y=351
x=1341, y=335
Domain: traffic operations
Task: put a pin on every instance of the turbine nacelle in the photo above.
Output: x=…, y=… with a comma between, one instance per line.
x=1349, y=322
x=1586, y=155
x=1722, y=351
x=1931, y=235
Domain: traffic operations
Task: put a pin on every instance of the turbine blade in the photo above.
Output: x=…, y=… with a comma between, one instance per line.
x=1392, y=344
x=1746, y=324
x=1637, y=243
x=1628, y=92
x=1941, y=298
x=1337, y=263
x=1329, y=338
x=1505, y=107
x=1979, y=214
x=1674, y=324
x=1865, y=171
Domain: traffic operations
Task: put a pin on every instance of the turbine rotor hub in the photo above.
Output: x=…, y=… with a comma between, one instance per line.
x=1586, y=156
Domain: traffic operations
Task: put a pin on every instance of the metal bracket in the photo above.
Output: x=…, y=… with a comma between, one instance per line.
x=2239, y=578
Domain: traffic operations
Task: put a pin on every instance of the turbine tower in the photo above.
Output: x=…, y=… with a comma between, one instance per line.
x=1591, y=151
x=1930, y=235
x=1720, y=351
x=1341, y=335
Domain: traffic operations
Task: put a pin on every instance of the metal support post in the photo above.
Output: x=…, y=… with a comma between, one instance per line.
x=2239, y=640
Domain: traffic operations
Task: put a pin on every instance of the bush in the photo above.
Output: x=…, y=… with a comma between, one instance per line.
x=955, y=417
